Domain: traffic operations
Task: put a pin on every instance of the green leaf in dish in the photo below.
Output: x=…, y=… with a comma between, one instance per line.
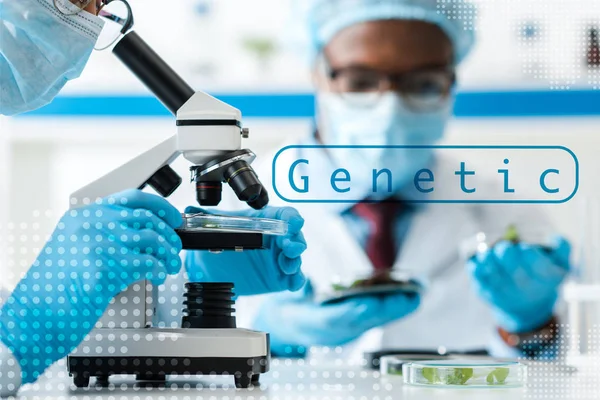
x=512, y=235
x=456, y=376
x=501, y=374
x=498, y=376
x=394, y=371
x=338, y=287
x=460, y=376
x=357, y=283
x=430, y=374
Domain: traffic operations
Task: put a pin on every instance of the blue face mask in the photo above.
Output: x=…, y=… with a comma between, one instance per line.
x=387, y=123
x=40, y=50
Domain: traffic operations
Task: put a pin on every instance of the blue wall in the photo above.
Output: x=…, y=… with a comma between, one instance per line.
x=301, y=105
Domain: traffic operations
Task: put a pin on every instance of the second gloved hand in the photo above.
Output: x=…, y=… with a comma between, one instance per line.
x=95, y=252
x=521, y=281
x=295, y=320
x=273, y=269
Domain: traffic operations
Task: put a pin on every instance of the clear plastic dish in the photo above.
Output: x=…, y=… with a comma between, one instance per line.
x=225, y=223
x=378, y=284
x=465, y=374
x=410, y=287
x=392, y=365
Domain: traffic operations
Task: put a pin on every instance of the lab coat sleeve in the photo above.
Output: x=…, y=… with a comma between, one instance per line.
x=10, y=373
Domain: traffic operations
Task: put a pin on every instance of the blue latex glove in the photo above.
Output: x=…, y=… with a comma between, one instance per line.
x=521, y=281
x=295, y=320
x=273, y=269
x=94, y=253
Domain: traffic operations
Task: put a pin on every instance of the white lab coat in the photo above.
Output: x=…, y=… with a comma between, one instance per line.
x=451, y=314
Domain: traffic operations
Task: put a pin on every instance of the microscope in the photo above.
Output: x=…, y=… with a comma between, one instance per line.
x=209, y=135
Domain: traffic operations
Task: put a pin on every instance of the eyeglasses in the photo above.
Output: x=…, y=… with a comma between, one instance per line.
x=423, y=90
x=72, y=7
x=117, y=15
x=118, y=21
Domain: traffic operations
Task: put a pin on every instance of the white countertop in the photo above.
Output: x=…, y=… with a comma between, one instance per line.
x=332, y=380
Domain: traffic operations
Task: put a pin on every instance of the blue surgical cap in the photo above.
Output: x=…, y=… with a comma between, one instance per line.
x=456, y=18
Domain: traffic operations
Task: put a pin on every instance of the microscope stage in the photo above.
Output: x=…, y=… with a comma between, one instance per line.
x=193, y=239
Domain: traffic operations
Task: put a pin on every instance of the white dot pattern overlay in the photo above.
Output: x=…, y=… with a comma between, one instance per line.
x=570, y=376
x=57, y=287
x=558, y=51
x=555, y=41
x=460, y=10
x=324, y=374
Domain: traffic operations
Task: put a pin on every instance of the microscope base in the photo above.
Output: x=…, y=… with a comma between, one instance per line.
x=245, y=371
x=153, y=354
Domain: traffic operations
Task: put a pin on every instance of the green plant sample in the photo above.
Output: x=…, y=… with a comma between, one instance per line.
x=512, y=235
x=498, y=376
x=459, y=376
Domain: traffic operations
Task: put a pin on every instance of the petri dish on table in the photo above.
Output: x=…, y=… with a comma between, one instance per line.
x=465, y=374
x=392, y=364
x=224, y=223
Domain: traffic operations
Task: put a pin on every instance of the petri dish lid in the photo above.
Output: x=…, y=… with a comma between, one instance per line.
x=465, y=374
x=226, y=223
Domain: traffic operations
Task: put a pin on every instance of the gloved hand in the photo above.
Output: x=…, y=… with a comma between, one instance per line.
x=521, y=281
x=295, y=319
x=274, y=269
x=95, y=252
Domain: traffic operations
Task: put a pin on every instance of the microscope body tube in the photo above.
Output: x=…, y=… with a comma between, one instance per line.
x=151, y=69
x=211, y=113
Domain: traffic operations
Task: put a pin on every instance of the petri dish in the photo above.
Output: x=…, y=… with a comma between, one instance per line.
x=379, y=284
x=224, y=223
x=465, y=374
x=392, y=365
x=410, y=287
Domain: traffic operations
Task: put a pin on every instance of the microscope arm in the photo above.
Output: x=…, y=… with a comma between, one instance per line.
x=206, y=128
x=132, y=174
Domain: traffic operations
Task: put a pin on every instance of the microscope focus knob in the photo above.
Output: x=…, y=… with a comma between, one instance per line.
x=165, y=181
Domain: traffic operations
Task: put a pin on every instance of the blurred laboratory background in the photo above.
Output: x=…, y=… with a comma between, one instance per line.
x=533, y=79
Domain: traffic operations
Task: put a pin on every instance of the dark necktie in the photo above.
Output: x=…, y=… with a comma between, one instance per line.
x=380, y=247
